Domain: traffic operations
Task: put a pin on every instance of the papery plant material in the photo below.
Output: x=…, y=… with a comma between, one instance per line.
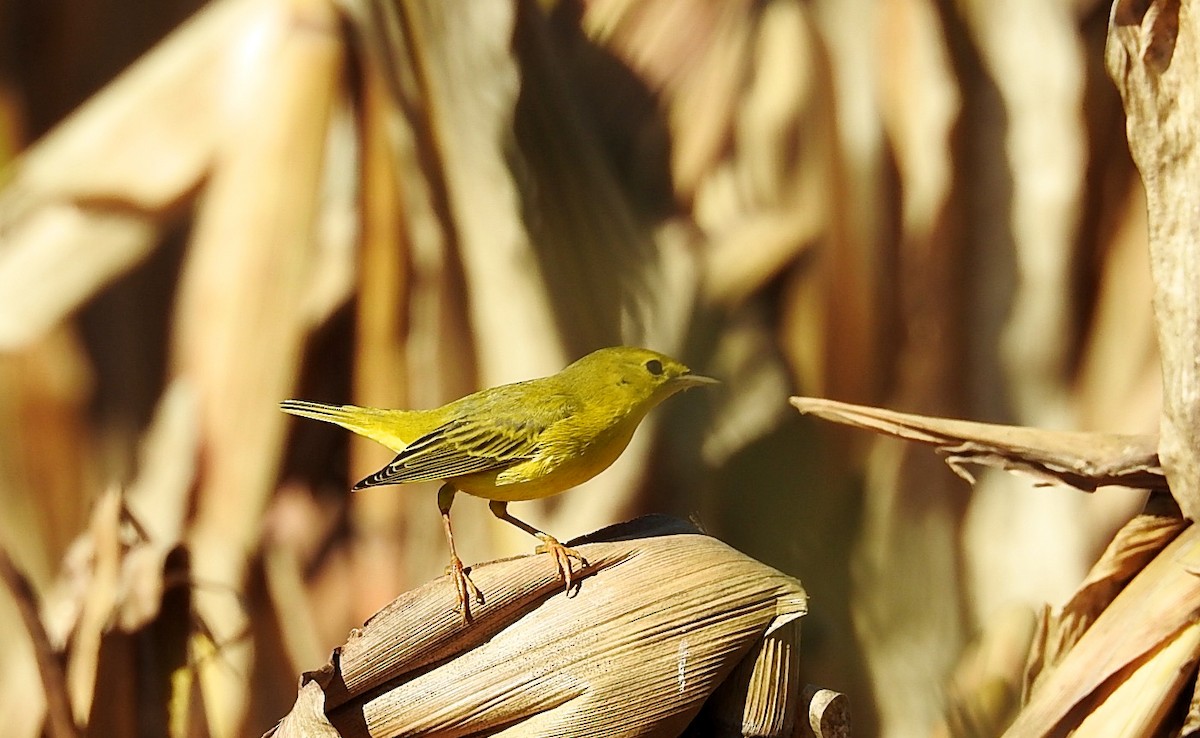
x=828, y=714
x=900, y=106
x=1138, y=702
x=157, y=502
x=88, y=201
x=1135, y=545
x=307, y=718
x=60, y=722
x=240, y=96
x=662, y=616
x=47, y=452
x=1045, y=147
x=761, y=697
x=1082, y=460
x=141, y=525
x=985, y=691
x=99, y=597
x=47, y=456
x=1153, y=55
x=742, y=124
x=453, y=73
x=242, y=297
x=1161, y=601
x=113, y=577
x=401, y=321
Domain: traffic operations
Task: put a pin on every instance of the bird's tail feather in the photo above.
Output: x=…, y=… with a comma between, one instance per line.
x=384, y=426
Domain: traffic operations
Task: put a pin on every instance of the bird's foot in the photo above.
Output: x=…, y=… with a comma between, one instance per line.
x=464, y=587
x=562, y=558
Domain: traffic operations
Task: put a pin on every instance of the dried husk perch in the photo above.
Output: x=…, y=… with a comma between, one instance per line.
x=662, y=618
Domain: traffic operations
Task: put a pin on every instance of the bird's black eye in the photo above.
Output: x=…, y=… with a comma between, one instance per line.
x=654, y=366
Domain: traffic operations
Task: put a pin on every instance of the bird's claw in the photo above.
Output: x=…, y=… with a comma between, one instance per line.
x=464, y=587
x=562, y=558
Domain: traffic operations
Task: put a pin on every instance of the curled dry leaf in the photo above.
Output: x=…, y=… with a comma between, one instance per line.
x=1135, y=545
x=307, y=717
x=1082, y=460
x=662, y=616
x=828, y=714
x=113, y=576
x=1161, y=601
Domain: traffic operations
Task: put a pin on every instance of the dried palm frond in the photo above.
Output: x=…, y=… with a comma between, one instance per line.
x=662, y=616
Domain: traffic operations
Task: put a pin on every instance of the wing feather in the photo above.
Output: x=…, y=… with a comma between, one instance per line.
x=469, y=445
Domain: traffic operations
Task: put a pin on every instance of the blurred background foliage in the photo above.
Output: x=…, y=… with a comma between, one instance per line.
x=923, y=205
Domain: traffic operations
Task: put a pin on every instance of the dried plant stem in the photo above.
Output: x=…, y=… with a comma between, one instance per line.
x=59, y=722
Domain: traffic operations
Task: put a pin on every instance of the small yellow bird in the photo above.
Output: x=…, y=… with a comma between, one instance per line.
x=519, y=441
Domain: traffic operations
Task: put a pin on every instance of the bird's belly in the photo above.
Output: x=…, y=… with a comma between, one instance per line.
x=547, y=474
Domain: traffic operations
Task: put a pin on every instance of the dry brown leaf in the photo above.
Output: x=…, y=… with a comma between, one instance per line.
x=1134, y=546
x=891, y=319
x=985, y=691
x=762, y=696
x=87, y=202
x=113, y=575
x=1155, y=606
x=145, y=525
x=463, y=54
x=307, y=718
x=1082, y=460
x=47, y=454
x=98, y=604
x=240, y=313
x=616, y=266
x=661, y=618
x=158, y=502
x=919, y=107
x=1044, y=144
x=1153, y=55
x=387, y=286
x=1138, y=704
x=56, y=256
x=767, y=199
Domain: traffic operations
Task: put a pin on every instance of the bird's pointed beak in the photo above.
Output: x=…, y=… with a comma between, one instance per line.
x=694, y=380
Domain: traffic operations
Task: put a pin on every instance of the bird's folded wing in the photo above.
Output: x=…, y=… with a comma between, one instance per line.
x=464, y=446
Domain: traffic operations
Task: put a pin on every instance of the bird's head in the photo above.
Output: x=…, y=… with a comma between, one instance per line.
x=639, y=376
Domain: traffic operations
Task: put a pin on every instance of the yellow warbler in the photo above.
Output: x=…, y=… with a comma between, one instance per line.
x=519, y=441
